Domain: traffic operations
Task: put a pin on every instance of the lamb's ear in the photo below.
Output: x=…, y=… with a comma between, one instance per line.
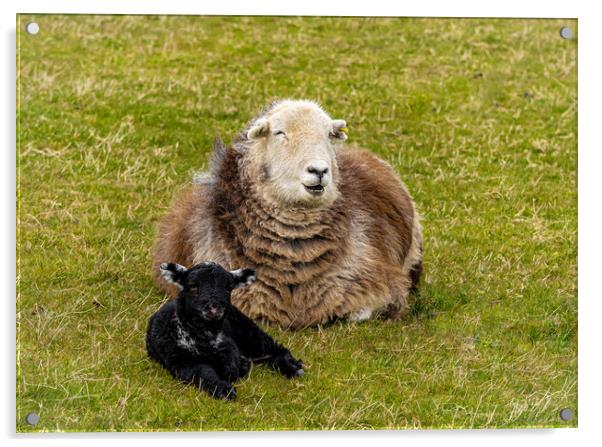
x=243, y=277
x=174, y=273
x=339, y=130
x=258, y=129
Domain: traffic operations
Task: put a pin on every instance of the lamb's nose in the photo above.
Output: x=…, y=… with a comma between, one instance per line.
x=214, y=308
x=318, y=169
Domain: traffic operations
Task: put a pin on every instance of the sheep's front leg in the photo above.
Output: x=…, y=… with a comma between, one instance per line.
x=260, y=347
x=286, y=364
x=360, y=315
x=232, y=364
x=207, y=379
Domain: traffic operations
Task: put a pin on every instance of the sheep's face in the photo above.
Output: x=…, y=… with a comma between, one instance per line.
x=293, y=154
x=206, y=288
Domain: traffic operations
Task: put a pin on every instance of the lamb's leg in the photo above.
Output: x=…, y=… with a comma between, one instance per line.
x=232, y=365
x=260, y=347
x=207, y=379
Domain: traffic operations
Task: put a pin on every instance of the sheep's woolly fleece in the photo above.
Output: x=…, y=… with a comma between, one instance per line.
x=352, y=251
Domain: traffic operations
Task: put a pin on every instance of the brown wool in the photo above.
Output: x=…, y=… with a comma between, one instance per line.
x=360, y=253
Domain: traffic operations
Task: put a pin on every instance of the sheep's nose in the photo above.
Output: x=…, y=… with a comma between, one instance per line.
x=214, y=307
x=319, y=168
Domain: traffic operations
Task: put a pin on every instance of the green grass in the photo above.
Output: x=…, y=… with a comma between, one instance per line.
x=479, y=117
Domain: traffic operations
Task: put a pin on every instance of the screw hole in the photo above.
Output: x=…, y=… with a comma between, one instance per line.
x=566, y=414
x=566, y=32
x=32, y=418
x=32, y=28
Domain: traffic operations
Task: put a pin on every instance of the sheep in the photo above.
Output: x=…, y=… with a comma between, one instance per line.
x=201, y=339
x=331, y=230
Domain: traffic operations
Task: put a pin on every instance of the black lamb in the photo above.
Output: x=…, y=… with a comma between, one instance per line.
x=202, y=339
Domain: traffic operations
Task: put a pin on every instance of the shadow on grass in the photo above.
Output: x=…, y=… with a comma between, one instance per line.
x=429, y=301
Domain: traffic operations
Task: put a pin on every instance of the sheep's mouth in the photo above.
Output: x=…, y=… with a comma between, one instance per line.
x=315, y=190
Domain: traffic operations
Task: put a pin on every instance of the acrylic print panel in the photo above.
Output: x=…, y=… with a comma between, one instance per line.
x=478, y=118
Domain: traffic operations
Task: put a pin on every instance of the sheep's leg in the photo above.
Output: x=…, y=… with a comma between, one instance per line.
x=207, y=379
x=260, y=347
x=415, y=274
x=360, y=315
x=231, y=364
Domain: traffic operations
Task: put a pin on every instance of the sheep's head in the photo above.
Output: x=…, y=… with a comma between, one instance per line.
x=292, y=154
x=205, y=288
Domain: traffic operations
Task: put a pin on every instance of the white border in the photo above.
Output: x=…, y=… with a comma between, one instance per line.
x=590, y=188
x=506, y=8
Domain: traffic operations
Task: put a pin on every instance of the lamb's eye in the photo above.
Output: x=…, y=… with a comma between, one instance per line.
x=279, y=132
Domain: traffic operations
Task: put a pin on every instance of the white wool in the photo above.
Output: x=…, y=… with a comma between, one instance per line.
x=184, y=339
x=296, y=142
x=360, y=315
x=219, y=339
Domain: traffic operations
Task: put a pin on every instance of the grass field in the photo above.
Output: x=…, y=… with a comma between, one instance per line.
x=479, y=117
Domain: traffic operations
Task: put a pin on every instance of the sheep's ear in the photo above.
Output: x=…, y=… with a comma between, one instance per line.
x=174, y=273
x=258, y=129
x=243, y=277
x=339, y=130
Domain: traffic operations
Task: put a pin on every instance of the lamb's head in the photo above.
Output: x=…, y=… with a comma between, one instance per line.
x=205, y=288
x=292, y=153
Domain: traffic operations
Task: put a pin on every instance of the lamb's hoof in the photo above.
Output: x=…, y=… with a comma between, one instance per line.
x=289, y=366
x=224, y=391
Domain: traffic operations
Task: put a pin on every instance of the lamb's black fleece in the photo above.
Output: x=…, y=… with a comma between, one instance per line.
x=202, y=339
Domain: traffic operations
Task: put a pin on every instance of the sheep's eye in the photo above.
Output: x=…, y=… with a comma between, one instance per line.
x=279, y=132
x=336, y=135
x=194, y=290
